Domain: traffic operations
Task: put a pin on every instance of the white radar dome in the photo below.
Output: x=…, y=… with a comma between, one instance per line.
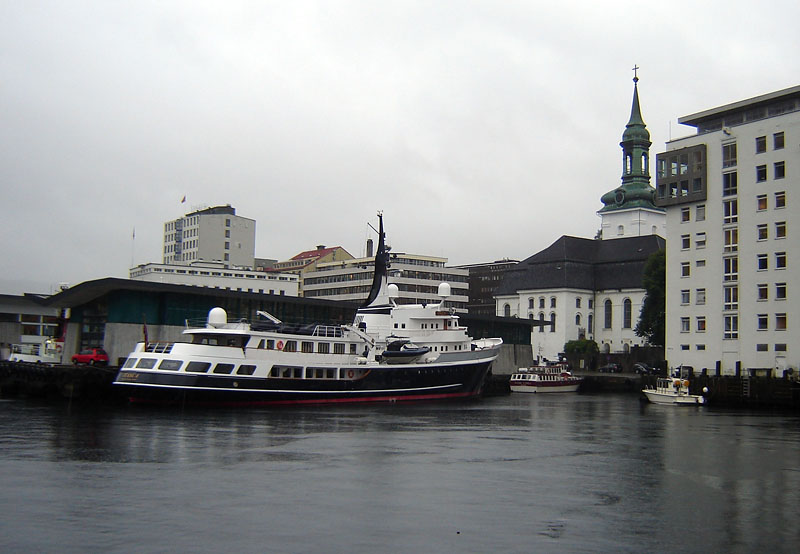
x=393, y=291
x=217, y=317
x=444, y=290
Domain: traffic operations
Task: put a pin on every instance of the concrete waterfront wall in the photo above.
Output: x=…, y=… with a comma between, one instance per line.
x=512, y=356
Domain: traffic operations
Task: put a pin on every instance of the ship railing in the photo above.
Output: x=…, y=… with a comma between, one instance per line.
x=159, y=347
x=331, y=331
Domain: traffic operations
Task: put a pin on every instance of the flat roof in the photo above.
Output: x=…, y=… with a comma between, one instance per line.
x=695, y=118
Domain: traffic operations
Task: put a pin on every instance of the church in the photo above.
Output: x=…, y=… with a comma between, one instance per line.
x=592, y=288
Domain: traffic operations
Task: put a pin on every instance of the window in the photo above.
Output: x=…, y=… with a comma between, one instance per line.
x=730, y=183
x=762, y=322
x=700, y=322
x=552, y=301
x=730, y=268
x=761, y=145
x=700, y=263
x=762, y=292
x=780, y=291
x=731, y=296
x=506, y=310
x=731, y=240
x=700, y=240
x=578, y=302
x=730, y=211
x=684, y=347
x=780, y=347
x=761, y=202
x=761, y=173
x=627, y=309
x=171, y=365
x=700, y=347
x=578, y=320
x=591, y=322
x=762, y=347
x=685, y=325
x=700, y=296
x=338, y=348
x=227, y=246
x=700, y=213
x=685, y=269
x=729, y=155
x=553, y=322
x=780, y=200
x=779, y=170
x=780, y=322
x=541, y=318
x=762, y=262
x=197, y=367
x=245, y=369
x=323, y=348
x=777, y=141
x=620, y=230
x=731, y=323
x=227, y=233
x=223, y=368
x=780, y=260
x=685, y=215
x=607, y=314
x=541, y=302
x=686, y=242
x=780, y=230
x=762, y=232
x=531, y=302
x=227, y=222
x=685, y=296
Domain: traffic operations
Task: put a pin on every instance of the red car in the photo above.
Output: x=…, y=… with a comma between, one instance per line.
x=91, y=356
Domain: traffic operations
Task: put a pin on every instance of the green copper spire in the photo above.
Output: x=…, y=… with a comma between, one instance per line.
x=635, y=191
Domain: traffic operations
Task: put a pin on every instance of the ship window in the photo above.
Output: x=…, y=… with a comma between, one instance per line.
x=338, y=348
x=323, y=347
x=307, y=347
x=330, y=373
x=146, y=363
x=171, y=365
x=261, y=344
x=130, y=362
x=290, y=346
x=197, y=367
x=270, y=344
x=246, y=369
x=223, y=368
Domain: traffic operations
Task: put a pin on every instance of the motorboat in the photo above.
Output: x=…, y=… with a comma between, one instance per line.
x=391, y=352
x=545, y=378
x=672, y=391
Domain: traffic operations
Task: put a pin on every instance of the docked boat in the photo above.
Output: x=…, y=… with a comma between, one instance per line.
x=390, y=353
x=672, y=391
x=545, y=378
x=46, y=352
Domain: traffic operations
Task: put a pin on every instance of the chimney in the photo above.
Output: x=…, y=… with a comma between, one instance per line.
x=369, y=248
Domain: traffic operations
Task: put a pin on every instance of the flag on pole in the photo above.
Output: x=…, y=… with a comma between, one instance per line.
x=183, y=200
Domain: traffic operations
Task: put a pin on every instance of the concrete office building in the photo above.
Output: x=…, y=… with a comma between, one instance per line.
x=731, y=196
x=212, y=234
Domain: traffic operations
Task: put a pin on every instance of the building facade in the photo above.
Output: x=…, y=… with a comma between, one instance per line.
x=213, y=234
x=483, y=280
x=417, y=277
x=730, y=192
x=217, y=275
x=592, y=289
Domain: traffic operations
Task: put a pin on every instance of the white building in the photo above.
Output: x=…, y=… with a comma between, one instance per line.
x=216, y=275
x=732, y=269
x=588, y=288
x=212, y=234
x=417, y=277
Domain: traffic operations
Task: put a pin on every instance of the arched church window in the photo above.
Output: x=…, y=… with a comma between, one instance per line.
x=627, y=313
x=607, y=314
x=507, y=310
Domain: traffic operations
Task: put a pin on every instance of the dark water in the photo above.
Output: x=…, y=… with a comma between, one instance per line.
x=524, y=473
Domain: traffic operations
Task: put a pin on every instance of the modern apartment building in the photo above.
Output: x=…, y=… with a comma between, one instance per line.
x=483, y=280
x=417, y=277
x=213, y=234
x=733, y=256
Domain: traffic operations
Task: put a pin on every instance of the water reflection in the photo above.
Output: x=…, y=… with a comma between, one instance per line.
x=517, y=473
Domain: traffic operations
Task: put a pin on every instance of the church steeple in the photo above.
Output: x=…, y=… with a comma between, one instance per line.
x=635, y=191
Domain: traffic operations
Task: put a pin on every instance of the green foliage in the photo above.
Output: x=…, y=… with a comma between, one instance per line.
x=582, y=348
x=652, y=319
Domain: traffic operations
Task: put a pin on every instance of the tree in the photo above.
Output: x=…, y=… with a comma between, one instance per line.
x=652, y=318
x=581, y=349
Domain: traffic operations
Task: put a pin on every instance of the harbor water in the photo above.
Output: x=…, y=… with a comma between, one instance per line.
x=519, y=473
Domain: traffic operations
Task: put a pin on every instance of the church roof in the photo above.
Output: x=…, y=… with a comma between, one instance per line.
x=587, y=264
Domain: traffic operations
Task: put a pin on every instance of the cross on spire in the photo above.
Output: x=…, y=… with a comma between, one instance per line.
x=635, y=75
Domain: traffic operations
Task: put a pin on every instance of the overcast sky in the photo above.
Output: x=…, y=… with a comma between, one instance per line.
x=482, y=129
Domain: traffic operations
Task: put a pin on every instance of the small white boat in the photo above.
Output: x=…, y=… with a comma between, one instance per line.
x=47, y=352
x=547, y=378
x=672, y=391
